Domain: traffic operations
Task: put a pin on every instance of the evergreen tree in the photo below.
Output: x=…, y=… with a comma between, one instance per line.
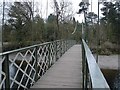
x=112, y=20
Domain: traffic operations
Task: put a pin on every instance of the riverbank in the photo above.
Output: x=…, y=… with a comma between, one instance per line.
x=109, y=66
x=108, y=62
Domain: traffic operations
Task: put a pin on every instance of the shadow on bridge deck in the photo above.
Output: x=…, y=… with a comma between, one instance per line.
x=65, y=73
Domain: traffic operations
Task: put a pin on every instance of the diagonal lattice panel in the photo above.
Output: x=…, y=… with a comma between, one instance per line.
x=63, y=47
x=22, y=69
x=58, y=49
x=28, y=64
x=43, y=59
x=52, y=53
x=2, y=74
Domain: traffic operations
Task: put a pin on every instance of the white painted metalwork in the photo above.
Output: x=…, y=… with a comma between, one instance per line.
x=2, y=74
x=28, y=64
x=58, y=49
x=43, y=54
x=92, y=75
x=52, y=53
x=24, y=67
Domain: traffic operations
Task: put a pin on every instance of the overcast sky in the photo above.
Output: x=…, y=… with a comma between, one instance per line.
x=75, y=8
x=46, y=7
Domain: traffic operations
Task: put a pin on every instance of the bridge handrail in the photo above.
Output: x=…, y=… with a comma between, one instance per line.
x=30, y=63
x=28, y=47
x=91, y=70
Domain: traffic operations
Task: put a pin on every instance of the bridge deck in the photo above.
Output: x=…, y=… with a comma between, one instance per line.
x=65, y=73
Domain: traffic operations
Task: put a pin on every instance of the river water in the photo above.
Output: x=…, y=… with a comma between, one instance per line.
x=109, y=66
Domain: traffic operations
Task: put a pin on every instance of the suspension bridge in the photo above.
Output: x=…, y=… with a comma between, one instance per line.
x=57, y=64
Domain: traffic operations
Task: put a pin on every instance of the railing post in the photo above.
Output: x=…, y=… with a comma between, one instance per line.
x=62, y=45
x=65, y=45
x=36, y=63
x=83, y=64
x=5, y=68
x=49, y=58
x=86, y=74
x=84, y=69
x=60, y=48
x=56, y=50
x=68, y=44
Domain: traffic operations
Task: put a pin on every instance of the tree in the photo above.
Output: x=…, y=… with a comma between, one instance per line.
x=57, y=13
x=38, y=27
x=21, y=17
x=91, y=18
x=51, y=28
x=84, y=9
x=65, y=8
x=112, y=19
x=63, y=12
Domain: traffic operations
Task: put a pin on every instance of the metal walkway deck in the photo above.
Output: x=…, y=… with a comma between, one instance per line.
x=65, y=73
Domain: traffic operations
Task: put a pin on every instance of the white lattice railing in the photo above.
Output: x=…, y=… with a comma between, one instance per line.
x=21, y=68
x=2, y=73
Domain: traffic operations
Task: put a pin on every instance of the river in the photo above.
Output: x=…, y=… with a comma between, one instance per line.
x=109, y=66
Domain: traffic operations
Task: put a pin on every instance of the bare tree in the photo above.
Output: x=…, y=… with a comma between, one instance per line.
x=57, y=13
x=63, y=11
